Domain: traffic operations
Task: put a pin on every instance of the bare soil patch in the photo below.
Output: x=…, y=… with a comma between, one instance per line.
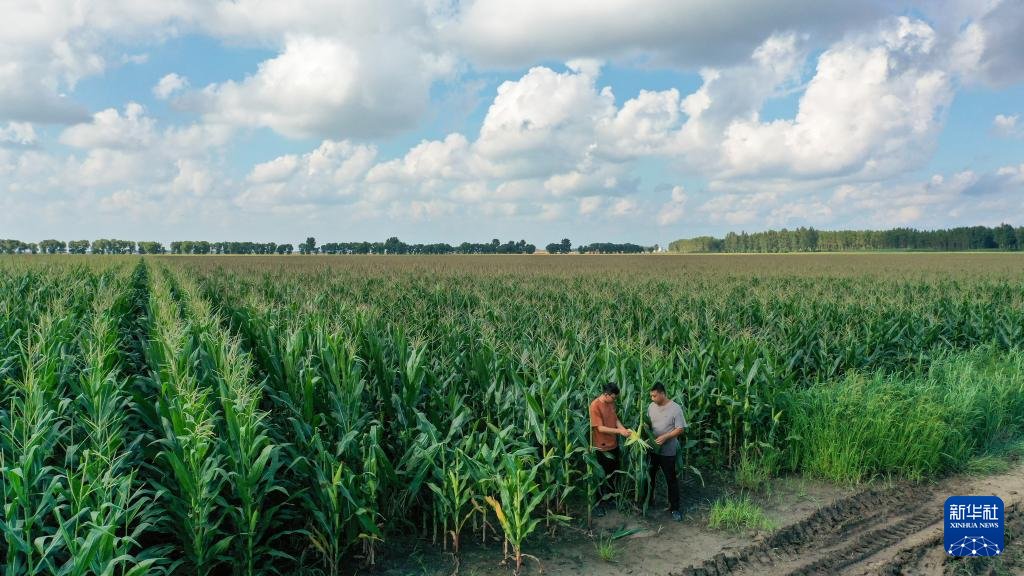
x=823, y=529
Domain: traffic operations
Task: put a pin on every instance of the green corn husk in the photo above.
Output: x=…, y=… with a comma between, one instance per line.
x=635, y=439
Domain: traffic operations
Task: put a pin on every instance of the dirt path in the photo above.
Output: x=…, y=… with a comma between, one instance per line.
x=894, y=529
x=897, y=530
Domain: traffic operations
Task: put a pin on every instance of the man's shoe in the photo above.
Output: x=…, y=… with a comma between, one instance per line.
x=677, y=516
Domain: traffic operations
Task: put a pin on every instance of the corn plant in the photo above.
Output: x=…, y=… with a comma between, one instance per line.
x=251, y=458
x=253, y=461
x=188, y=466
x=456, y=495
x=339, y=518
x=382, y=377
x=31, y=430
x=517, y=504
x=106, y=509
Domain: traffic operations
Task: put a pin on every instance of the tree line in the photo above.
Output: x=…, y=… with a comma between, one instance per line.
x=204, y=247
x=101, y=246
x=1002, y=237
x=611, y=248
x=395, y=246
x=390, y=246
x=565, y=247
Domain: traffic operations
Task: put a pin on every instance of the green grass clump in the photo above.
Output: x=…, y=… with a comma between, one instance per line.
x=606, y=549
x=736, y=513
x=754, y=471
x=868, y=425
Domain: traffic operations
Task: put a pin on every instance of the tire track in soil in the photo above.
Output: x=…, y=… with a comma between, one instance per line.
x=879, y=531
x=929, y=558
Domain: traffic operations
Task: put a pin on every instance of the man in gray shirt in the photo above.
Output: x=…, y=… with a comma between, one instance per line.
x=667, y=424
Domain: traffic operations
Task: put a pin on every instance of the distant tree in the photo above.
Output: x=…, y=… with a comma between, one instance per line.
x=308, y=247
x=105, y=246
x=11, y=246
x=394, y=246
x=563, y=247
x=78, y=246
x=285, y=248
x=1005, y=237
x=52, y=247
x=151, y=248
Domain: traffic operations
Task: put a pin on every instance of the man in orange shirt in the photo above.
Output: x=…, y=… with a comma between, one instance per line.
x=605, y=429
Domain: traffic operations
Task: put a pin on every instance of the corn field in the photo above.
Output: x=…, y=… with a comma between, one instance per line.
x=312, y=415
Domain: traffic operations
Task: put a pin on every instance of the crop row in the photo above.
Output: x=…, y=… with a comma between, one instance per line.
x=177, y=416
x=440, y=386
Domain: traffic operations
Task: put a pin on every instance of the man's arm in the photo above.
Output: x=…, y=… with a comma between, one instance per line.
x=622, y=427
x=596, y=422
x=668, y=436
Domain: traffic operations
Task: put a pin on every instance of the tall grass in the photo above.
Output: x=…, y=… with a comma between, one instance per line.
x=913, y=426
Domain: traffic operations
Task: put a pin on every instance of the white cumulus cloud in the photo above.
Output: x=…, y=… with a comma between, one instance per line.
x=112, y=129
x=684, y=33
x=168, y=85
x=673, y=211
x=875, y=105
x=328, y=87
x=1007, y=126
x=18, y=134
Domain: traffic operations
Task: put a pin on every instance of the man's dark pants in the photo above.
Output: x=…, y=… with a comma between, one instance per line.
x=667, y=465
x=609, y=460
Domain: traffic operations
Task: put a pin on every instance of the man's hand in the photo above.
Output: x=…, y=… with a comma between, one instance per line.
x=626, y=432
x=668, y=436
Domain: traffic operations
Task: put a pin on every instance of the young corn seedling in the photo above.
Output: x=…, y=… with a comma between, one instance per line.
x=455, y=496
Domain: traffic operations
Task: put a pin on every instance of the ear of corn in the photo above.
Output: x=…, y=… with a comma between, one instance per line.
x=637, y=441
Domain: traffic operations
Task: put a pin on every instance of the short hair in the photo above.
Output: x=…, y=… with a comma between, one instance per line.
x=611, y=388
x=658, y=387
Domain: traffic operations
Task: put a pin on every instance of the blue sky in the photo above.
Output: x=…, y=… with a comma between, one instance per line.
x=440, y=121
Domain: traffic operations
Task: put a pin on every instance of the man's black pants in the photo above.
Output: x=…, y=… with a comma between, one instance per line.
x=667, y=465
x=609, y=460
